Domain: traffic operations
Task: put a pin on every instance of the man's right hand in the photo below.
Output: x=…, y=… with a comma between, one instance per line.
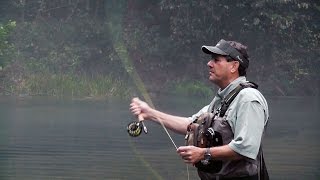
x=139, y=108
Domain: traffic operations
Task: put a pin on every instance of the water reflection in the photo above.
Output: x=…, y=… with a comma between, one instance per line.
x=44, y=138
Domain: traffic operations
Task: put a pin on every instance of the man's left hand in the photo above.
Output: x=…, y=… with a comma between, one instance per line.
x=191, y=154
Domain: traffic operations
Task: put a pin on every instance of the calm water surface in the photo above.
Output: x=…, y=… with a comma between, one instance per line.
x=45, y=138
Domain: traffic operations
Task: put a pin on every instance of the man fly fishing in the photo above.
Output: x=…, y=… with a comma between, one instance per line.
x=223, y=140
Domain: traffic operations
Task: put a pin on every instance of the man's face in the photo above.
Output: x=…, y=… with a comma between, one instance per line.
x=220, y=70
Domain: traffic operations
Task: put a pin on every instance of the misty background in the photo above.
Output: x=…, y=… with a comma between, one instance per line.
x=68, y=69
x=62, y=47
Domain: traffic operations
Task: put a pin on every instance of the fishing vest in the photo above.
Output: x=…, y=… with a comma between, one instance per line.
x=212, y=129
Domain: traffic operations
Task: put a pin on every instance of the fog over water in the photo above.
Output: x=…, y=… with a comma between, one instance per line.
x=45, y=138
x=101, y=48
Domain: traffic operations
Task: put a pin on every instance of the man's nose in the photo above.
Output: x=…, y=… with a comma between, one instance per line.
x=210, y=62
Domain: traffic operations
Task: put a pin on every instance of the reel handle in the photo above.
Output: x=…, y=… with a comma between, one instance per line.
x=141, y=119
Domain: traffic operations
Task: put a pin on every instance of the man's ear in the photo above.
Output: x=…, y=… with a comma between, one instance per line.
x=235, y=66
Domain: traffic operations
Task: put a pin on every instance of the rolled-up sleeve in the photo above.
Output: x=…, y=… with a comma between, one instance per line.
x=203, y=110
x=248, y=129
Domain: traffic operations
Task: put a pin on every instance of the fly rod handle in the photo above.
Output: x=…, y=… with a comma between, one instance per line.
x=140, y=117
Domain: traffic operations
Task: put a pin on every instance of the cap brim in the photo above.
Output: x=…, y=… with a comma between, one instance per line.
x=212, y=50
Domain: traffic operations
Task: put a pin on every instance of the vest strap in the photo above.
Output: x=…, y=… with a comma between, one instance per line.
x=230, y=97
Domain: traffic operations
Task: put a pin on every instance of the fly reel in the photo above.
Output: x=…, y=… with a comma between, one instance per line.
x=135, y=128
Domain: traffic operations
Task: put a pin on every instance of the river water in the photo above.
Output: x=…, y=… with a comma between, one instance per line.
x=45, y=138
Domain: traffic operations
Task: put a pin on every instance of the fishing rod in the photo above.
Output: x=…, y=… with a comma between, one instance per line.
x=136, y=127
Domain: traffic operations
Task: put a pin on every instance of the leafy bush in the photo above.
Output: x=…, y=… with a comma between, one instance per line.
x=191, y=88
x=74, y=86
x=7, y=50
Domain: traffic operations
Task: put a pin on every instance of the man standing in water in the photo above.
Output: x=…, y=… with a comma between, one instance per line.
x=241, y=124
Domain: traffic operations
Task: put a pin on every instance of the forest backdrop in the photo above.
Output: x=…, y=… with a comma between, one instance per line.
x=87, y=47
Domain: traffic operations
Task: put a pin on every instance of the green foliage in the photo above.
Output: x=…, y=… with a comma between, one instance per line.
x=161, y=38
x=7, y=50
x=191, y=88
x=283, y=38
x=74, y=86
x=60, y=47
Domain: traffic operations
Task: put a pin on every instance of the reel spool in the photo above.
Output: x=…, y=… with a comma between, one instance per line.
x=135, y=128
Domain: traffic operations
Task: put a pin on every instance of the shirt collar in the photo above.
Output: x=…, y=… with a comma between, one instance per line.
x=222, y=93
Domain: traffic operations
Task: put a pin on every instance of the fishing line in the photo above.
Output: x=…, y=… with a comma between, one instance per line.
x=115, y=28
x=137, y=126
x=145, y=94
x=131, y=70
x=140, y=85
